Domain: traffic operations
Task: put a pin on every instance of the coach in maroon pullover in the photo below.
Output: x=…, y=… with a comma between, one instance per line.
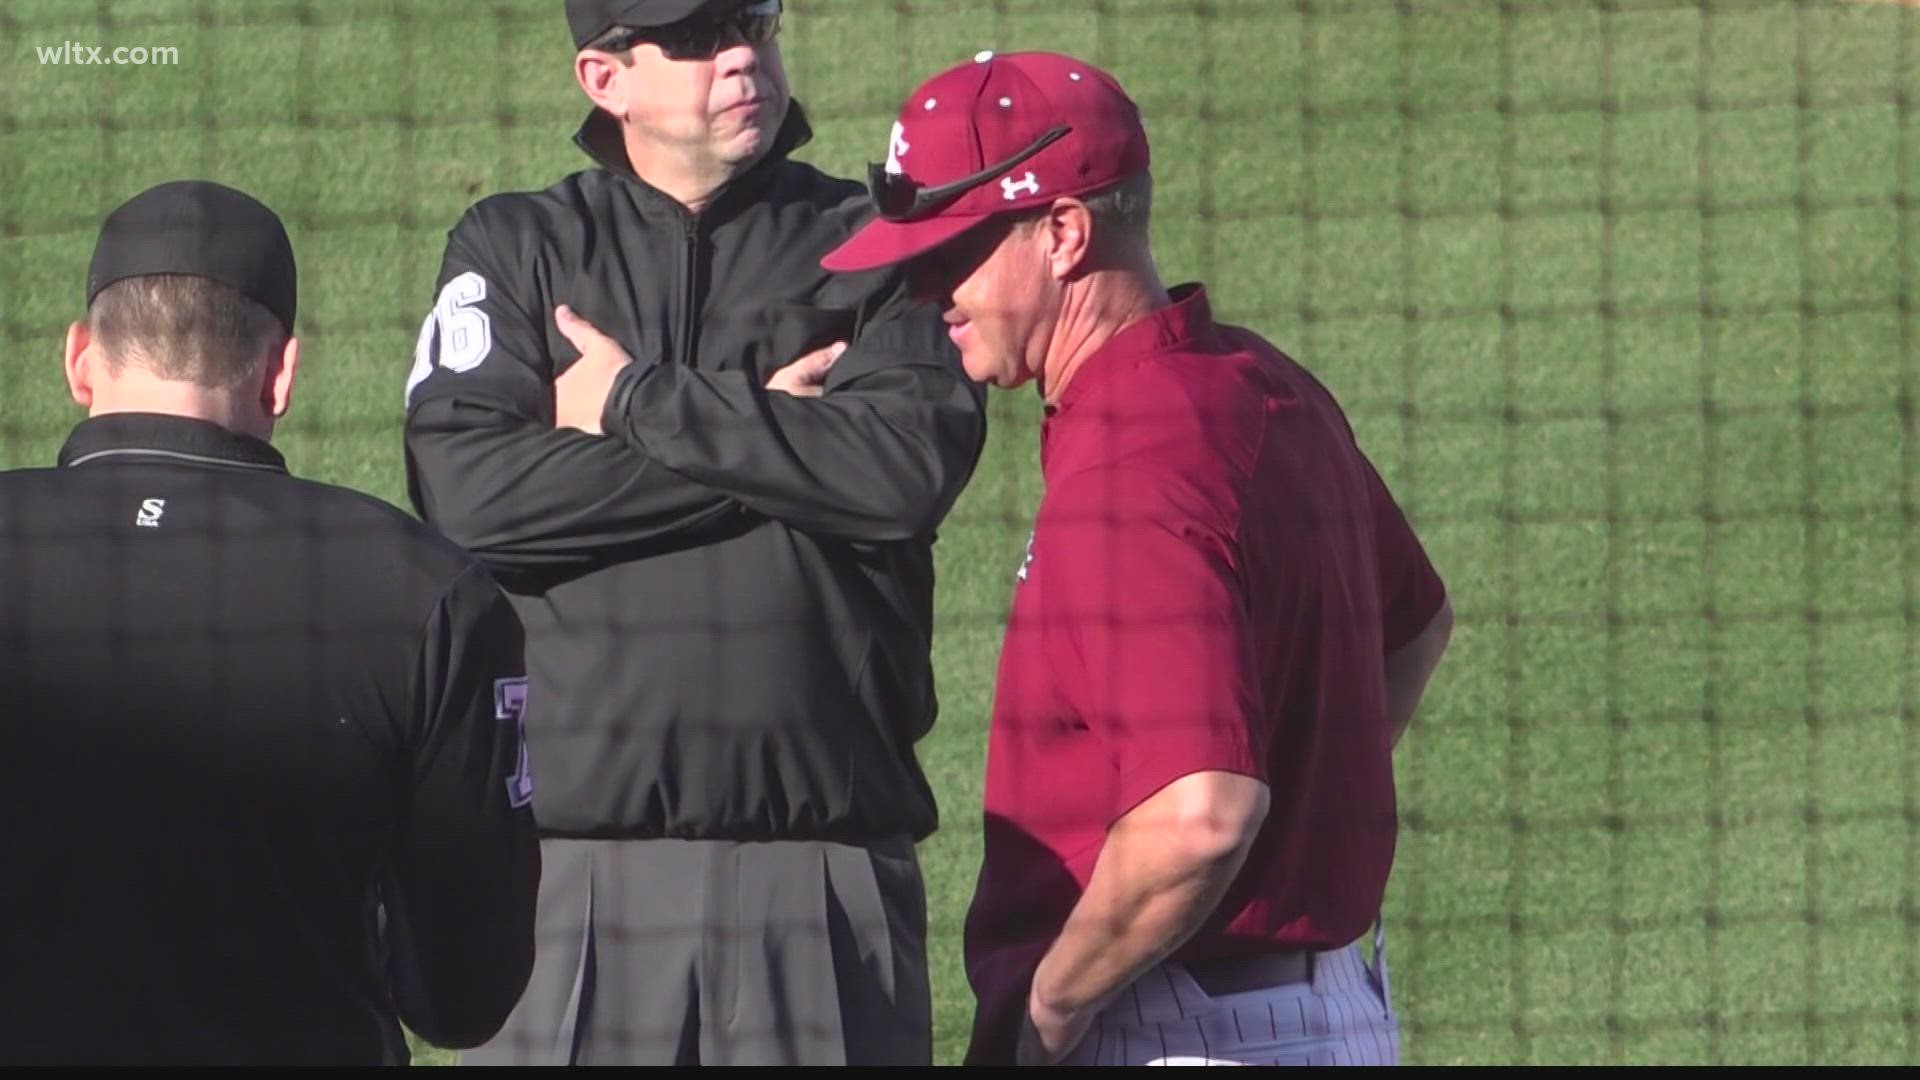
x=1220, y=629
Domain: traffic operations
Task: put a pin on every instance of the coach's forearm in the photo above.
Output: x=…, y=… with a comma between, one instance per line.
x=1161, y=873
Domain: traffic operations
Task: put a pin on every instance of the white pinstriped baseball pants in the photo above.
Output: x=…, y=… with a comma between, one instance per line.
x=1342, y=1016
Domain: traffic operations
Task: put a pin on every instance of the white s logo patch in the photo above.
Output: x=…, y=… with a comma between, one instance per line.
x=149, y=515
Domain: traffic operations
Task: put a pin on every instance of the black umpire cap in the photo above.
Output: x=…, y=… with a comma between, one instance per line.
x=588, y=19
x=201, y=228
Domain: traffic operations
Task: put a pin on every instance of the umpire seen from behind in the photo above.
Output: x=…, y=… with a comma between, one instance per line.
x=267, y=794
x=718, y=527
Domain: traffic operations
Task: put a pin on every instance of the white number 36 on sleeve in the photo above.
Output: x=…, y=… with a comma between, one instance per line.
x=456, y=332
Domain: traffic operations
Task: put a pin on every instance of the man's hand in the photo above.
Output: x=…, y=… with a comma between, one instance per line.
x=580, y=395
x=1047, y=1036
x=807, y=376
x=1162, y=871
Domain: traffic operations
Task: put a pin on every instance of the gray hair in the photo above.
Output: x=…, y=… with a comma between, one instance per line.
x=1123, y=215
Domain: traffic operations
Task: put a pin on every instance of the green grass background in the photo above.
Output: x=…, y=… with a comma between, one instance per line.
x=1619, y=295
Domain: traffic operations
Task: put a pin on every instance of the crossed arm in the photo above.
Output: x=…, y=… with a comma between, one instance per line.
x=501, y=458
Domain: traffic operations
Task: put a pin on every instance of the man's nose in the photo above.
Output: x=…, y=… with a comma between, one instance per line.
x=736, y=56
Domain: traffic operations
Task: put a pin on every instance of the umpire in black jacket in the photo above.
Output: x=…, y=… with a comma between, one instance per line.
x=723, y=557
x=266, y=793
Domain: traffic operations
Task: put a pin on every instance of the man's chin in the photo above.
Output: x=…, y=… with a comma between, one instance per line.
x=985, y=372
x=747, y=145
x=756, y=127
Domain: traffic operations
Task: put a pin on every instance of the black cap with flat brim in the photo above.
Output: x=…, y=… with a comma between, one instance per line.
x=204, y=229
x=588, y=19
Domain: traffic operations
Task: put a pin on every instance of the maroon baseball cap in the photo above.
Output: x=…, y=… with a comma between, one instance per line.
x=1002, y=133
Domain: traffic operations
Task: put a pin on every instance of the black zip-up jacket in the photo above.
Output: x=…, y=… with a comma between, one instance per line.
x=729, y=597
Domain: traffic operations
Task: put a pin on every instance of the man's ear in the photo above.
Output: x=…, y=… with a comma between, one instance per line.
x=598, y=74
x=1069, y=231
x=79, y=364
x=276, y=390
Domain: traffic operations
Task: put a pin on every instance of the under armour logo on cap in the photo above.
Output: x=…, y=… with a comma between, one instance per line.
x=1030, y=185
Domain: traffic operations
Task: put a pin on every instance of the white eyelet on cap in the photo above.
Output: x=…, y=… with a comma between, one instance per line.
x=930, y=104
x=1074, y=75
x=1006, y=103
x=983, y=56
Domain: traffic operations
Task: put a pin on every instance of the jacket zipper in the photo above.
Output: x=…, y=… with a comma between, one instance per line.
x=689, y=303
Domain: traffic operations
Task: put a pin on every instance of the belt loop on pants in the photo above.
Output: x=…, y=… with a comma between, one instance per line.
x=1379, y=966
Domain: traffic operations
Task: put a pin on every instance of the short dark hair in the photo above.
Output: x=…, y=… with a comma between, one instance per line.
x=184, y=327
x=619, y=41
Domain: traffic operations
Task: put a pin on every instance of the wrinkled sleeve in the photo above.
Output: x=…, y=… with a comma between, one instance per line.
x=484, y=463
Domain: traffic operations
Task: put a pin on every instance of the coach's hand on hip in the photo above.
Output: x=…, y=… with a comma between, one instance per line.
x=1047, y=1035
x=580, y=394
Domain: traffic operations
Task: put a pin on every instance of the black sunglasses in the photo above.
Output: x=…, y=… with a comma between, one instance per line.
x=702, y=39
x=900, y=199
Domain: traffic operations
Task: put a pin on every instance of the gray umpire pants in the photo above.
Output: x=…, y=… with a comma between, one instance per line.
x=679, y=952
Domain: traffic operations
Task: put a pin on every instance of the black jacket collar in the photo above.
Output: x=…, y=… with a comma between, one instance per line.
x=122, y=437
x=599, y=138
